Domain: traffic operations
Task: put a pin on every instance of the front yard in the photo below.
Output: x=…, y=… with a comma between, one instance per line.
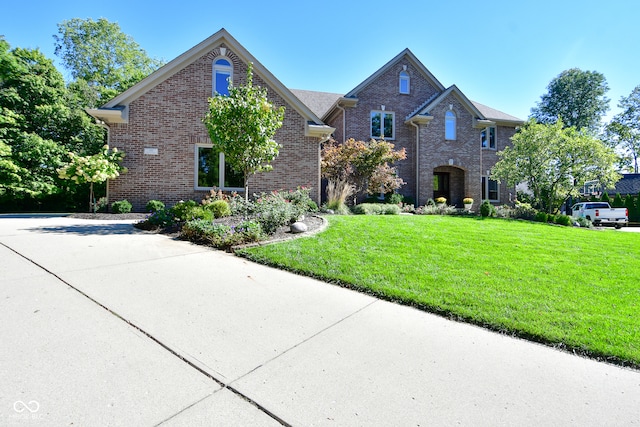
x=572, y=288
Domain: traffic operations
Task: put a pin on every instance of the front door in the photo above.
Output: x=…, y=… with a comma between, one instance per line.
x=441, y=185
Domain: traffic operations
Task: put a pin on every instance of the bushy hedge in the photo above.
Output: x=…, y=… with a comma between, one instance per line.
x=121, y=207
x=154, y=206
x=376, y=209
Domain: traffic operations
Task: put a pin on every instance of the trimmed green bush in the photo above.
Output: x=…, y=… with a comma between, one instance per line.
x=204, y=231
x=617, y=201
x=563, y=220
x=219, y=208
x=487, y=209
x=376, y=209
x=541, y=217
x=121, y=207
x=154, y=206
x=524, y=211
x=605, y=197
x=395, y=198
x=190, y=210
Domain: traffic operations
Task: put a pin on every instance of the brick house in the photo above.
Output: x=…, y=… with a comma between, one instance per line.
x=157, y=123
x=451, y=142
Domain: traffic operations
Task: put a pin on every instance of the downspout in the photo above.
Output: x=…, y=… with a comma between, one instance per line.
x=344, y=122
x=108, y=129
x=417, y=162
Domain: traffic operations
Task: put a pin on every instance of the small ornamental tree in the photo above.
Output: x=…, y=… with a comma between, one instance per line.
x=242, y=126
x=97, y=168
x=362, y=165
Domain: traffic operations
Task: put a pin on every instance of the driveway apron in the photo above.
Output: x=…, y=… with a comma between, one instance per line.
x=105, y=325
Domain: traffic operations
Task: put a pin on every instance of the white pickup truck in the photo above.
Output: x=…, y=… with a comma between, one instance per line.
x=600, y=213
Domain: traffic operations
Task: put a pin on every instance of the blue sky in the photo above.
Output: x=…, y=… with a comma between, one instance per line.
x=500, y=53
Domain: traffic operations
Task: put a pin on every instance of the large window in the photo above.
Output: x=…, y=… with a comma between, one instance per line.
x=490, y=189
x=222, y=72
x=404, y=82
x=382, y=124
x=489, y=138
x=450, y=125
x=212, y=171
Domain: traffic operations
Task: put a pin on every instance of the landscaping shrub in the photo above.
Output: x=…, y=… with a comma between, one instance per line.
x=541, y=217
x=605, y=197
x=583, y=222
x=272, y=211
x=524, y=211
x=121, y=207
x=300, y=200
x=563, y=220
x=101, y=204
x=376, y=209
x=617, y=201
x=190, y=210
x=160, y=218
x=154, y=206
x=248, y=232
x=487, y=209
x=394, y=198
x=205, y=231
x=432, y=209
x=505, y=211
x=219, y=208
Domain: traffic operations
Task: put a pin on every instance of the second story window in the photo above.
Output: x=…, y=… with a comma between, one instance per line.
x=222, y=72
x=488, y=136
x=404, y=82
x=382, y=124
x=450, y=126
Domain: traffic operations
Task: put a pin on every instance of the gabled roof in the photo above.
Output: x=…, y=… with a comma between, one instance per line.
x=412, y=58
x=495, y=115
x=453, y=89
x=116, y=110
x=484, y=115
x=318, y=102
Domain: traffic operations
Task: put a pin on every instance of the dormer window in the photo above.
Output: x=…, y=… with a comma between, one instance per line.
x=450, y=126
x=222, y=72
x=405, y=81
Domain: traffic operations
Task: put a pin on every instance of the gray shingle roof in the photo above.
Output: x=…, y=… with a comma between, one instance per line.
x=629, y=184
x=493, y=114
x=318, y=102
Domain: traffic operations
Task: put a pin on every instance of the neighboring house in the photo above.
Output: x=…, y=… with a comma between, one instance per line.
x=629, y=184
x=451, y=142
x=158, y=124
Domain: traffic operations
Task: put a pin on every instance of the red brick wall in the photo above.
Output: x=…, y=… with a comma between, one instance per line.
x=168, y=117
x=463, y=158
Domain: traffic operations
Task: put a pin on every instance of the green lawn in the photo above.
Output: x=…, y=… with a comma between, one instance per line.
x=570, y=287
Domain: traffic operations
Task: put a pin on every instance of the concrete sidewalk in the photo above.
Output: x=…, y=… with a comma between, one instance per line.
x=104, y=325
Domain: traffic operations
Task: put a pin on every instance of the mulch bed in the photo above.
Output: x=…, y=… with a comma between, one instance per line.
x=314, y=224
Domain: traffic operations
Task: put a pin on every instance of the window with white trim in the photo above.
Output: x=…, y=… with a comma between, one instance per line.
x=222, y=72
x=488, y=137
x=490, y=189
x=212, y=170
x=450, y=125
x=404, y=82
x=383, y=124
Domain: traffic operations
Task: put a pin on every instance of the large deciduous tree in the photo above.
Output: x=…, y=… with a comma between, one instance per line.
x=554, y=161
x=242, y=125
x=623, y=131
x=102, y=60
x=576, y=96
x=39, y=124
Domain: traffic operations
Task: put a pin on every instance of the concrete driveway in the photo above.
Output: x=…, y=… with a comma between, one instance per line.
x=104, y=325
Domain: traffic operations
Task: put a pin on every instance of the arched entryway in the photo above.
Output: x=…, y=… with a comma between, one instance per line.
x=449, y=182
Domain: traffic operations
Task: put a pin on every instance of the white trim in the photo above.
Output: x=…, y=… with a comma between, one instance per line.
x=404, y=77
x=223, y=69
x=488, y=138
x=221, y=169
x=485, y=188
x=382, y=114
x=447, y=120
